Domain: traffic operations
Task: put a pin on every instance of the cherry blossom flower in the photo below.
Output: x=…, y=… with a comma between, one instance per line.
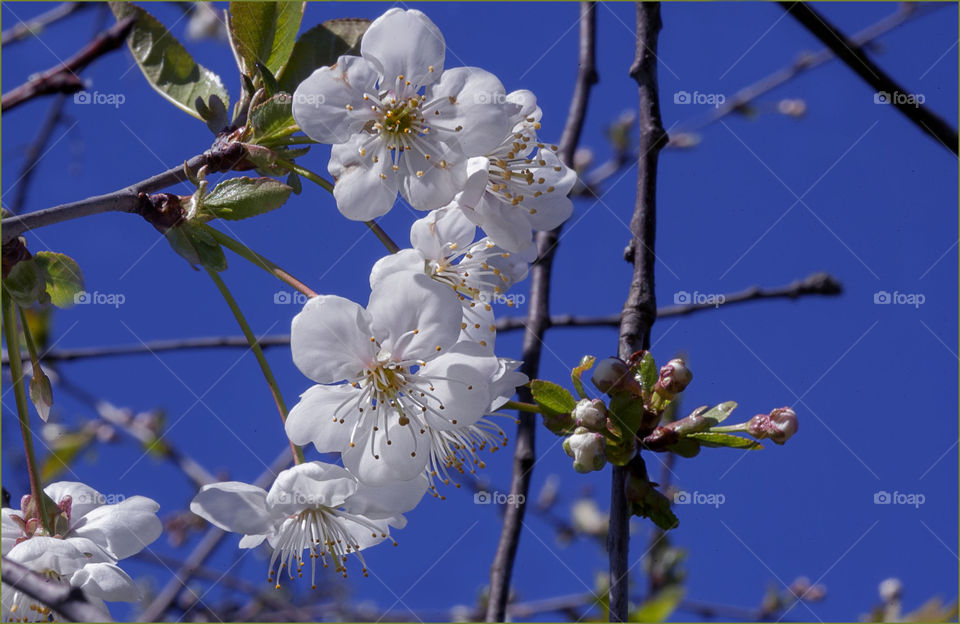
x=90, y=538
x=511, y=190
x=315, y=507
x=480, y=272
x=397, y=120
x=406, y=375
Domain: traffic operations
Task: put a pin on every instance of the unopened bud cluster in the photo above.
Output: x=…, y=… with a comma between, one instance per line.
x=587, y=448
x=779, y=425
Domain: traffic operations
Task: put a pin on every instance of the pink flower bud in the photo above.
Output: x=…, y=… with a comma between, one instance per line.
x=674, y=378
x=783, y=421
x=590, y=413
x=587, y=449
x=609, y=374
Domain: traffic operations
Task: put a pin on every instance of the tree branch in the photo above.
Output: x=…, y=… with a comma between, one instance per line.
x=856, y=59
x=63, y=77
x=128, y=199
x=640, y=308
x=32, y=27
x=524, y=454
x=70, y=602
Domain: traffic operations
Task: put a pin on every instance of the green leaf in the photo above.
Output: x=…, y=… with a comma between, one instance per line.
x=166, y=64
x=197, y=247
x=719, y=413
x=273, y=118
x=648, y=373
x=553, y=398
x=63, y=277
x=660, y=607
x=239, y=198
x=627, y=413
x=320, y=46
x=725, y=439
x=265, y=32
x=63, y=450
x=26, y=283
x=586, y=363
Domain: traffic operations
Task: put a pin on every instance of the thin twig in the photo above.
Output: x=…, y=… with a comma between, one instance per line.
x=63, y=78
x=211, y=539
x=856, y=59
x=32, y=27
x=640, y=308
x=538, y=317
x=68, y=601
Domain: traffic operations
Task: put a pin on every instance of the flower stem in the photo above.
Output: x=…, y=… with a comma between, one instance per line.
x=12, y=338
x=31, y=346
x=729, y=428
x=258, y=352
x=245, y=252
x=521, y=407
x=388, y=242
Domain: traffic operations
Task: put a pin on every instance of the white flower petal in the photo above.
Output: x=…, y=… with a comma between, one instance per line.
x=479, y=324
x=106, y=581
x=328, y=106
x=387, y=501
x=508, y=225
x=477, y=107
x=411, y=303
x=234, y=506
x=461, y=382
x=522, y=108
x=309, y=485
x=404, y=43
x=405, y=260
x=83, y=497
x=10, y=531
x=364, y=189
x=375, y=462
x=430, y=184
x=505, y=382
x=330, y=339
x=441, y=232
x=49, y=553
x=325, y=416
x=123, y=529
x=251, y=541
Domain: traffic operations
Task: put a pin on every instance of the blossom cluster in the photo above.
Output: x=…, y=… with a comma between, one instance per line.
x=405, y=385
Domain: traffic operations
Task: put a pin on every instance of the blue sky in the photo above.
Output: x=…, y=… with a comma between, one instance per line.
x=851, y=188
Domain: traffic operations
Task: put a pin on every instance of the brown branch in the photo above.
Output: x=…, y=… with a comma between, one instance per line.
x=856, y=59
x=211, y=539
x=640, y=308
x=63, y=77
x=32, y=27
x=538, y=317
x=70, y=602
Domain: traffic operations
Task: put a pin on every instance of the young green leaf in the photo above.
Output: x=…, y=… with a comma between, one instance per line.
x=26, y=283
x=197, y=247
x=239, y=198
x=166, y=64
x=552, y=397
x=320, y=46
x=577, y=374
x=660, y=607
x=718, y=413
x=648, y=373
x=265, y=32
x=272, y=118
x=62, y=276
x=708, y=438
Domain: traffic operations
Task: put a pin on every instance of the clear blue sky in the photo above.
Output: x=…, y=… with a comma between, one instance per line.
x=875, y=386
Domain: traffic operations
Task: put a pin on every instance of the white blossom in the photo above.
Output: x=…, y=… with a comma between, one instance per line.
x=316, y=507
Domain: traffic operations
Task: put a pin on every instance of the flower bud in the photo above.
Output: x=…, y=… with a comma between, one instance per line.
x=891, y=589
x=613, y=376
x=674, y=378
x=590, y=413
x=660, y=438
x=758, y=426
x=587, y=449
x=784, y=423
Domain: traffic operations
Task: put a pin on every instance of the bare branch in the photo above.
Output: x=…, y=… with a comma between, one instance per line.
x=32, y=27
x=70, y=602
x=537, y=320
x=63, y=77
x=856, y=59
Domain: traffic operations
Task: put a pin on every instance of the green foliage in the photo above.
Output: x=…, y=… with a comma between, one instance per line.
x=240, y=198
x=167, y=65
x=647, y=373
x=659, y=607
x=62, y=276
x=264, y=32
x=552, y=398
x=718, y=413
x=708, y=438
x=26, y=283
x=272, y=118
x=576, y=375
x=320, y=46
x=197, y=246
x=627, y=413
